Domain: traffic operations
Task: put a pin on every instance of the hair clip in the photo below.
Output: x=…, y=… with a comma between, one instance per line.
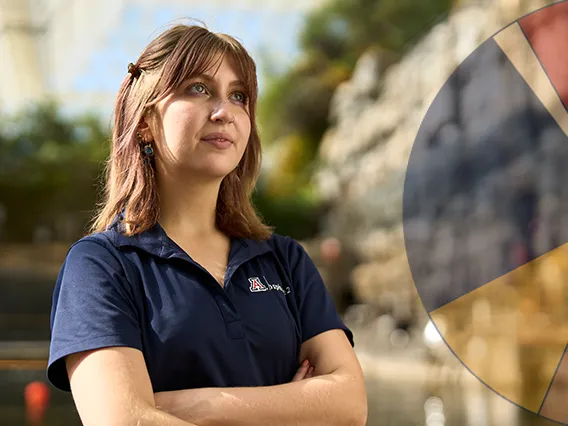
x=134, y=70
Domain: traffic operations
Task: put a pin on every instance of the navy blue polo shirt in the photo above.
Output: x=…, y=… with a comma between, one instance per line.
x=145, y=292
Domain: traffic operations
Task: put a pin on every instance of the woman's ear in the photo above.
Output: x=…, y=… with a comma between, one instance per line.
x=145, y=128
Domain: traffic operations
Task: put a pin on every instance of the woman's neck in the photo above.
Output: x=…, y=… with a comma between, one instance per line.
x=188, y=211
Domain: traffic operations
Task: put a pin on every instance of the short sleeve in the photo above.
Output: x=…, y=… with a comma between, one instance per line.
x=315, y=304
x=93, y=307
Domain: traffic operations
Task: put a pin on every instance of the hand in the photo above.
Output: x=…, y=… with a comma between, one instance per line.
x=305, y=371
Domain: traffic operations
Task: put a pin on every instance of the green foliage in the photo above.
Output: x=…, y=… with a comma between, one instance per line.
x=296, y=103
x=359, y=24
x=332, y=40
x=296, y=215
x=49, y=165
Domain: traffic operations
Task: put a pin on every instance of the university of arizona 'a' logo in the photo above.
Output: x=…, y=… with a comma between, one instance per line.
x=256, y=285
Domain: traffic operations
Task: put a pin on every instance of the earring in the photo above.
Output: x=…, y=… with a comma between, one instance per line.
x=147, y=149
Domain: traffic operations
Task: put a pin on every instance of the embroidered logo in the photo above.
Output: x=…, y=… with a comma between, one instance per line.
x=256, y=285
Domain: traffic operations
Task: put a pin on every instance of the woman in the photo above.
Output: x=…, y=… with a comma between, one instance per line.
x=182, y=307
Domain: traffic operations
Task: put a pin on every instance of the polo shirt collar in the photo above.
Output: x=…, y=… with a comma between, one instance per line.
x=156, y=242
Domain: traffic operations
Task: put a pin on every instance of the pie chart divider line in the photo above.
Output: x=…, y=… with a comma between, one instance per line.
x=499, y=280
x=489, y=387
x=560, y=115
x=455, y=71
x=541, y=64
x=469, y=292
x=552, y=380
x=517, y=21
x=510, y=272
x=410, y=212
x=429, y=313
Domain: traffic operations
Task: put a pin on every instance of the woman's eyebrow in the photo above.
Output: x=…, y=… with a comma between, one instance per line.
x=210, y=78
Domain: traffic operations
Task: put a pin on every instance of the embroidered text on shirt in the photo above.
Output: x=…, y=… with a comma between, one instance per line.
x=256, y=286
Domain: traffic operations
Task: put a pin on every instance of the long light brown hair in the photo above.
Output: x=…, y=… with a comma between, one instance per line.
x=181, y=52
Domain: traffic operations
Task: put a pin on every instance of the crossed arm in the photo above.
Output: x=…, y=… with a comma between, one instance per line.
x=334, y=396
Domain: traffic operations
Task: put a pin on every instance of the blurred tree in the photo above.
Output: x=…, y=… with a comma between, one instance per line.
x=49, y=165
x=296, y=216
x=294, y=110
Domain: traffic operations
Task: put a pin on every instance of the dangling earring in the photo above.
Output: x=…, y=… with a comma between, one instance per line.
x=147, y=149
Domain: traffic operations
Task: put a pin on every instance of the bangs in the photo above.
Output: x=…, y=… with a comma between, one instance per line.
x=196, y=54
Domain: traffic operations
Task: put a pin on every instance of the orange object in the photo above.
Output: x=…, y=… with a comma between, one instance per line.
x=330, y=249
x=36, y=396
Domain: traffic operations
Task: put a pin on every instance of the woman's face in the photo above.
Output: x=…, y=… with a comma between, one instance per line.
x=202, y=129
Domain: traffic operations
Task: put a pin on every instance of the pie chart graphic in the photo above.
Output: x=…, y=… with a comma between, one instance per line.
x=485, y=212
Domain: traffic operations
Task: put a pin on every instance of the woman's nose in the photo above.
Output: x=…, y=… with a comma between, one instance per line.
x=222, y=112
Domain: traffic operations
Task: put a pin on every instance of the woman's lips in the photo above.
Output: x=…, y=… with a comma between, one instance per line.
x=220, y=140
x=218, y=143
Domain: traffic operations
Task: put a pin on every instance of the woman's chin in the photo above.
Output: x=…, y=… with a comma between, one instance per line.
x=217, y=171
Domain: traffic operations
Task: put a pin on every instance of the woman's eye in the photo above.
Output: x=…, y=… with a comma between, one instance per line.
x=240, y=97
x=198, y=87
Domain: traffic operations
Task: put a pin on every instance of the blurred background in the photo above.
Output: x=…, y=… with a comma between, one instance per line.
x=344, y=87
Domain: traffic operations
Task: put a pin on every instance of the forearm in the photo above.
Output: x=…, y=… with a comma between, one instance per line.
x=150, y=416
x=332, y=399
x=137, y=414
